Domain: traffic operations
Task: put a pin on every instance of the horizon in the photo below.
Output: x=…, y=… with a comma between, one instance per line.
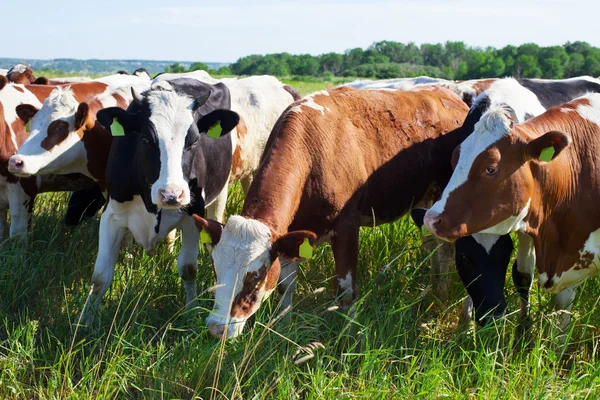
x=263, y=27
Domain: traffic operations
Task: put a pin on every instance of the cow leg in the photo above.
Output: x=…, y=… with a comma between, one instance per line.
x=110, y=237
x=171, y=238
x=522, y=272
x=563, y=302
x=19, y=204
x=187, y=261
x=467, y=312
x=443, y=260
x=344, y=243
x=216, y=210
x=287, y=282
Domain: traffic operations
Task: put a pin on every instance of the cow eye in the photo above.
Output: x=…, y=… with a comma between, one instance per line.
x=491, y=171
x=61, y=128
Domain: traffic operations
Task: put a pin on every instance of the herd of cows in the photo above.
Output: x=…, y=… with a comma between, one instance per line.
x=471, y=161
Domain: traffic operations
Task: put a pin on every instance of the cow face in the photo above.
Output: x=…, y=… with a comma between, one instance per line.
x=55, y=139
x=491, y=188
x=245, y=258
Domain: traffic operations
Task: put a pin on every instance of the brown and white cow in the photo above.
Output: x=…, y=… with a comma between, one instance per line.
x=538, y=178
x=335, y=161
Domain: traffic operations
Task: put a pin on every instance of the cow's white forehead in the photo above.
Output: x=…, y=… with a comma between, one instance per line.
x=169, y=112
x=61, y=100
x=243, y=242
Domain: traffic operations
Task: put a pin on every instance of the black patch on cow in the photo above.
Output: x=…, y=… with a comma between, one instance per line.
x=83, y=204
x=553, y=93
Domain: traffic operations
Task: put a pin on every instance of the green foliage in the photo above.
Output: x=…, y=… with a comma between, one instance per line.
x=451, y=60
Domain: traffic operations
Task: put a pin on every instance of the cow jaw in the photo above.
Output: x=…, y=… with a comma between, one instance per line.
x=242, y=262
x=171, y=117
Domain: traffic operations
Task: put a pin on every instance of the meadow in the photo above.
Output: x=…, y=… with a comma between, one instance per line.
x=403, y=341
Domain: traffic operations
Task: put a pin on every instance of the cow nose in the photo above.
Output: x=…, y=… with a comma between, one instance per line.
x=217, y=330
x=432, y=221
x=171, y=197
x=15, y=164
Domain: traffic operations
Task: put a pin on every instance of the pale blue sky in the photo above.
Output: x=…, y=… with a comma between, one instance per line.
x=224, y=30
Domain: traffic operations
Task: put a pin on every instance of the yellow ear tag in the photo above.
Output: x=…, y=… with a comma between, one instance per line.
x=306, y=250
x=546, y=154
x=116, y=129
x=27, y=128
x=205, y=236
x=215, y=131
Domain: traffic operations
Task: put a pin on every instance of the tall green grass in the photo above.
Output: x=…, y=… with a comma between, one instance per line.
x=403, y=342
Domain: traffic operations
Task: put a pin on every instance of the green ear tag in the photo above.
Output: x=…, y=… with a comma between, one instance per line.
x=306, y=250
x=215, y=131
x=116, y=129
x=205, y=237
x=27, y=128
x=546, y=154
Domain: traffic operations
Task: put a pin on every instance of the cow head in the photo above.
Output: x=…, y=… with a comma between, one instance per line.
x=245, y=258
x=55, y=139
x=167, y=124
x=492, y=185
x=20, y=74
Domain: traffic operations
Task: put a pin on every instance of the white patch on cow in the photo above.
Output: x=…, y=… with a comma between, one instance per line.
x=20, y=68
x=172, y=117
x=396, y=83
x=309, y=101
x=244, y=247
x=60, y=105
x=486, y=240
x=590, y=112
x=345, y=284
x=515, y=223
x=493, y=126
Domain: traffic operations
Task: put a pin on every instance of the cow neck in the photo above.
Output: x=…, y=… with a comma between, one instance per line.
x=97, y=142
x=275, y=194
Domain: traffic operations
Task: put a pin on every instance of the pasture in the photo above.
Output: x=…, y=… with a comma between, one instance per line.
x=402, y=342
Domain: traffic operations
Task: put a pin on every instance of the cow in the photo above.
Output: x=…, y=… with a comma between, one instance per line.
x=537, y=179
x=481, y=259
x=18, y=194
x=336, y=160
x=162, y=169
x=396, y=83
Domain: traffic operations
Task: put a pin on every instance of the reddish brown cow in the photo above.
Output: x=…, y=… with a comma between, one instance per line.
x=538, y=178
x=335, y=161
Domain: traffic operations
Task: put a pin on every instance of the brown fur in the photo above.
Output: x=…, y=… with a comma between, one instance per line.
x=237, y=164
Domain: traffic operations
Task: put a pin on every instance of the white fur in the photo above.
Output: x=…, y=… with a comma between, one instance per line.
x=346, y=286
x=493, y=126
x=396, y=83
x=590, y=112
x=487, y=241
x=244, y=247
x=20, y=68
x=171, y=116
x=309, y=101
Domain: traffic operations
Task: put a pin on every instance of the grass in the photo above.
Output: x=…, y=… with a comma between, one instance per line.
x=403, y=342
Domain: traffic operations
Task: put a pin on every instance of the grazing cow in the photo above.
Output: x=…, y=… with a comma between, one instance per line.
x=537, y=179
x=335, y=161
x=18, y=194
x=481, y=259
x=163, y=169
x=22, y=74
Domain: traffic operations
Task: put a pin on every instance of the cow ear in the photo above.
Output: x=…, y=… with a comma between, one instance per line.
x=117, y=116
x=212, y=230
x=548, y=146
x=218, y=122
x=200, y=101
x=3, y=81
x=289, y=245
x=26, y=112
x=417, y=215
x=41, y=81
x=81, y=116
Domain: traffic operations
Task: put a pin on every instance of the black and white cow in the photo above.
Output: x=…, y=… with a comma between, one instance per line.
x=164, y=169
x=482, y=259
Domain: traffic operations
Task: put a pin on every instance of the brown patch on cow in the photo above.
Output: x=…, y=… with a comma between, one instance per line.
x=121, y=102
x=482, y=85
x=237, y=163
x=584, y=261
x=82, y=91
x=7, y=148
x=19, y=89
x=23, y=78
x=58, y=131
x=245, y=301
x=97, y=142
x=3, y=81
x=41, y=92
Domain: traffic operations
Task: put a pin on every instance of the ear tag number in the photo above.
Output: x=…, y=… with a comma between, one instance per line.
x=215, y=131
x=116, y=129
x=547, y=154
x=205, y=237
x=27, y=126
x=306, y=250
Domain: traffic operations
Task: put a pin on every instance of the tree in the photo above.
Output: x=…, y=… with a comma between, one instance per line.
x=526, y=67
x=198, y=66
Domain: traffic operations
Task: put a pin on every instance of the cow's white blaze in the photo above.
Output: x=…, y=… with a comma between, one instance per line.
x=589, y=112
x=493, y=126
x=309, y=101
x=244, y=247
x=60, y=105
x=171, y=115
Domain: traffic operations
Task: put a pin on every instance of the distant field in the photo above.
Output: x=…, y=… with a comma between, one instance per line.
x=404, y=342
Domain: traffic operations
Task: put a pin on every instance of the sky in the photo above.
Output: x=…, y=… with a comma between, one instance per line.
x=225, y=30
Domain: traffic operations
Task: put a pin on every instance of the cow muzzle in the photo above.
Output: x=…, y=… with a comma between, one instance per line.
x=218, y=328
x=17, y=166
x=172, y=197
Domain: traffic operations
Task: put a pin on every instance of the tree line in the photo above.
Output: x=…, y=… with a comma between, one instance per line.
x=451, y=60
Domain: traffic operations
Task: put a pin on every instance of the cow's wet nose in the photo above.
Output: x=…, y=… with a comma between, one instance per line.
x=217, y=330
x=432, y=221
x=15, y=164
x=171, y=197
